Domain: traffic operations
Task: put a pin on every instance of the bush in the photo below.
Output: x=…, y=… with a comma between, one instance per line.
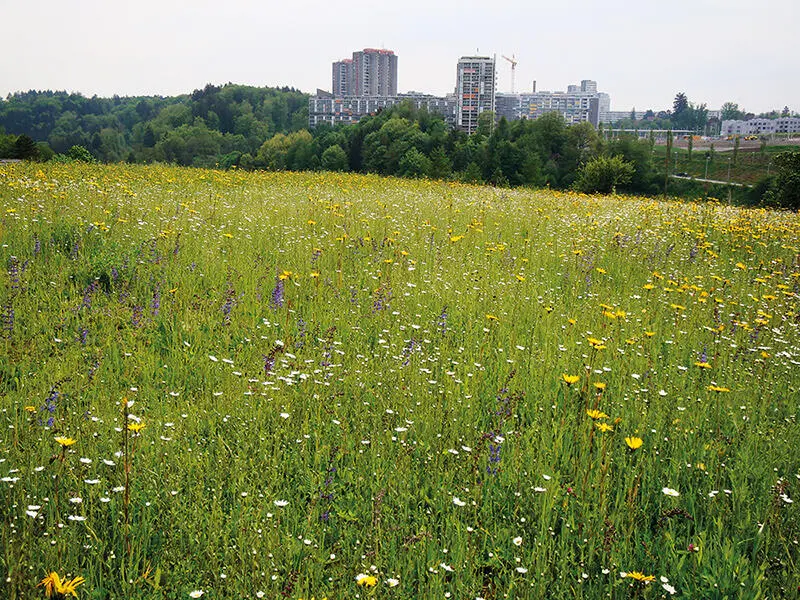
x=603, y=174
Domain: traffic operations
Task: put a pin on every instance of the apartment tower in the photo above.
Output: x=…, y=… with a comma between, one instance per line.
x=475, y=85
x=371, y=72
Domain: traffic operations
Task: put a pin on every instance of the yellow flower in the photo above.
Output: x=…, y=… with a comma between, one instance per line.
x=30, y=409
x=53, y=585
x=65, y=441
x=491, y=317
x=570, y=379
x=520, y=278
x=136, y=427
x=649, y=333
x=741, y=266
x=604, y=427
x=717, y=388
x=641, y=576
x=702, y=365
x=648, y=286
x=634, y=442
x=599, y=386
x=366, y=580
x=596, y=414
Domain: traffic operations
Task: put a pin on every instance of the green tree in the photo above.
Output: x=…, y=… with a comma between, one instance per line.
x=80, y=154
x=414, y=164
x=604, y=174
x=730, y=112
x=680, y=104
x=25, y=148
x=334, y=158
x=441, y=168
x=786, y=191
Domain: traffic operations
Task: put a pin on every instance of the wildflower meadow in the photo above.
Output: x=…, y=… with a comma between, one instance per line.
x=272, y=385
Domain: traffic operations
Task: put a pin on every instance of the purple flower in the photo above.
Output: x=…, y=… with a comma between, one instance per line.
x=276, y=300
x=136, y=317
x=156, y=303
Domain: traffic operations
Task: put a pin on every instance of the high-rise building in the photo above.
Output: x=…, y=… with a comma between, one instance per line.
x=374, y=73
x=475, y=85
x=343, y=77
x=371, y=72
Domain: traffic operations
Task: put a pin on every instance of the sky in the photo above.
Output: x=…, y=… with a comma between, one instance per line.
x=642, y=54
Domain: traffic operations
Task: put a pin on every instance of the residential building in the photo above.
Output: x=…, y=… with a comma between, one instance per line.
x=374, y=73
x=612, y=116
x=475, y=90
x=342, y=83
x=327, y=108
x=580, y=103
x=371, y=72
x=761, y=126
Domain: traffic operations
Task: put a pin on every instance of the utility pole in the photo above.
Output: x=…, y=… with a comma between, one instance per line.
x=666, y=162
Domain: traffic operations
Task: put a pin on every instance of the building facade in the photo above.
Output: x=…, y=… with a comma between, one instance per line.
x=325, y=108
x=342, y=81
x=475, y=90
x=371, y=72
x=761, y=126
x=579, y=104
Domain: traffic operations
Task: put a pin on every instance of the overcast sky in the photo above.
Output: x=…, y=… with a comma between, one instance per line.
x=642, y=54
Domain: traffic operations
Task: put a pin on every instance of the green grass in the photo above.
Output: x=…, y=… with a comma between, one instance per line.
x=387, y=358
x=751, y=164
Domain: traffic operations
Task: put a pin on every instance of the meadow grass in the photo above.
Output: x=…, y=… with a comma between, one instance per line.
x=297, y=385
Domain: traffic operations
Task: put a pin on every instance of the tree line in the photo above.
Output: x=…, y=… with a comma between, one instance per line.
x=212, y=126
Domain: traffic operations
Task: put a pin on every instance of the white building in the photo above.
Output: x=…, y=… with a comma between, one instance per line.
x=475, y=88
x=761, y=126
x=580, y=103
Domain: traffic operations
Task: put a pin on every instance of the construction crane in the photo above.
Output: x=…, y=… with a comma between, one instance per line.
x=513, y=62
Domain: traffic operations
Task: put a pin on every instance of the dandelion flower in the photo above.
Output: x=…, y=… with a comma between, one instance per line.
x=596, y=414
x=64, y=442
x=570, y=379
x=54, y=585
x=641, y=577
x=604, y=427
x=717, y=388
x=634, y=442
x=136, y=427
